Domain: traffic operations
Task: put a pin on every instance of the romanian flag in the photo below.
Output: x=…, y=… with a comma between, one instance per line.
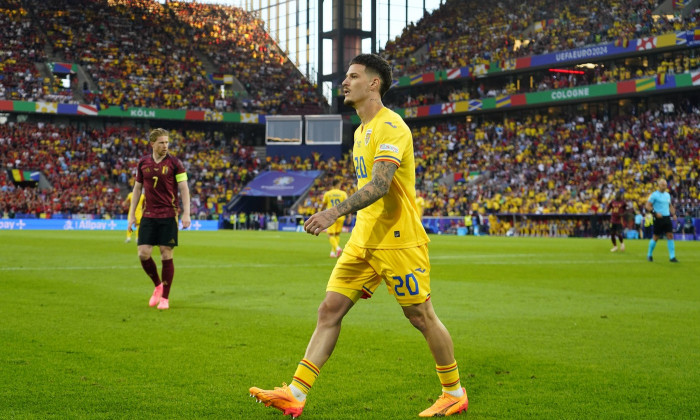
x=661, y=79
x=217, y=79
x=696, y=35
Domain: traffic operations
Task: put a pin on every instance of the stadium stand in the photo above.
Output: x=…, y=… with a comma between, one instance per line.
x=20, y=50
x=235, y=41
x=140, y=54
x=473, y=32
x=497, y=166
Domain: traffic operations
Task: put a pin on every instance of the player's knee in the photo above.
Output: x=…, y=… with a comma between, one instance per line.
x=144, y=255
x=418, y=319
x=330, y=312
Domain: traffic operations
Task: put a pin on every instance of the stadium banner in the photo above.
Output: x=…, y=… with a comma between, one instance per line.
x=278, y=183
x=592, y=52
x=116, y=111
x=644, y=84
x=585, y=53
x=88, y=224
x=571, y=93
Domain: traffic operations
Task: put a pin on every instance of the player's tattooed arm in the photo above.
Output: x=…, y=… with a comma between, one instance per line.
x=378, y=187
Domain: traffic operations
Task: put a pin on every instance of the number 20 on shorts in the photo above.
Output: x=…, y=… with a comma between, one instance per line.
x=409, y=284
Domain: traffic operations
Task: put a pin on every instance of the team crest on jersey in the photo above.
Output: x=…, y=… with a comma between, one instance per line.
x=367, y=136
x=165, y=170
x=147, y=170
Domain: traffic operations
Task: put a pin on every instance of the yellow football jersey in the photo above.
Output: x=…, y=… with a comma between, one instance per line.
x=420, y=205
x=333, y=197
x=139, y=206
x=392, y=222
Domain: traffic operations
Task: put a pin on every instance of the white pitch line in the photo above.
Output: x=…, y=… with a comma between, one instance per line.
x=132, y=267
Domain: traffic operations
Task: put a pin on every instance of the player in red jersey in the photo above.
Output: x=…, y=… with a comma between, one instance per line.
x=616, y=208
x=161, y=176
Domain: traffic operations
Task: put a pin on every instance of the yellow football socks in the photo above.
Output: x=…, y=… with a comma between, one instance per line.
x=449, y=377
x=305, y=376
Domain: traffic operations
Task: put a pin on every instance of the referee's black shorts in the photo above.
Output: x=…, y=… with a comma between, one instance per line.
x=662, y=225
x=158, y=231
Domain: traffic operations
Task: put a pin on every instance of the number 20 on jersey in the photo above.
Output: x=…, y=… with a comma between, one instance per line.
x=360, y=167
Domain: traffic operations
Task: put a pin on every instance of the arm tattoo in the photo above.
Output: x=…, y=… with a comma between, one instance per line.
x=378, y=187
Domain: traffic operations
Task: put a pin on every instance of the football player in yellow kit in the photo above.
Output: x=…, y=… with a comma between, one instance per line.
x=332, y=198
x=388, y=244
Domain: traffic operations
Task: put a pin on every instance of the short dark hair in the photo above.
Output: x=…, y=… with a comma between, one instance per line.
x=377, y=65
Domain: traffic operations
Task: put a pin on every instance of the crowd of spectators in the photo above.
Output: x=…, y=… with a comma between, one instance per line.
x=538, y=165
x=236, y=42
x=20, y=49
x=71, y=160
x=470, y=32
x=142, y=53
x=91, y=170
x=542, y=81
x=131, y=50
x=550, y=166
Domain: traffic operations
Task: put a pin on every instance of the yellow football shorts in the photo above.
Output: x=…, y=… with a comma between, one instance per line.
x=337, y=227
x=406, y=273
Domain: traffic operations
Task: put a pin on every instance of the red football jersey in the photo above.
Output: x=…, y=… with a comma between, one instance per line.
x=160, y=185
x=617, y=209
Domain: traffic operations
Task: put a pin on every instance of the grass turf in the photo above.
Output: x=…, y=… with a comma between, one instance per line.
x=543, y=328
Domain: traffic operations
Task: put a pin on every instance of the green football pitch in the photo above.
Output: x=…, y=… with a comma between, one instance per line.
x=543, y=329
